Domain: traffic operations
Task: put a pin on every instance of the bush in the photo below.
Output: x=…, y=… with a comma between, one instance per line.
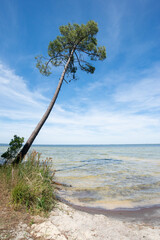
x=30, y=183
x=14, y=147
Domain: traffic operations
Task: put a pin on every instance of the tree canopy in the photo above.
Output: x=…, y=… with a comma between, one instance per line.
x=14, y=147
x=79, y=38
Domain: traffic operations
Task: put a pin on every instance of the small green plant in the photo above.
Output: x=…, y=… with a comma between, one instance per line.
x=30, y=183
x=14, y=146
x=31, y=222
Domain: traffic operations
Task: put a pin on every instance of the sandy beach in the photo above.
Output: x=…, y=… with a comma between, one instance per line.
x=67, y=223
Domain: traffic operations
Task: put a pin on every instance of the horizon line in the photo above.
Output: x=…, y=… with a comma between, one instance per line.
x=89, y=144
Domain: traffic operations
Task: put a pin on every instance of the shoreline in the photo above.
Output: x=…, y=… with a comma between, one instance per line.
x=146, y=214
x=74, y=222
x=68, y=223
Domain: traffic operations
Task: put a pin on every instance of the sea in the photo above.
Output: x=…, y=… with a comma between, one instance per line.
x=105, y=176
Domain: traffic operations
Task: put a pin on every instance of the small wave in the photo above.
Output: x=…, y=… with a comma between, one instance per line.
x=105, y=160
x=71, y=168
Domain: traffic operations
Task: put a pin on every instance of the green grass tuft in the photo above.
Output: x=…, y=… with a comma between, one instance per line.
x=30, y=183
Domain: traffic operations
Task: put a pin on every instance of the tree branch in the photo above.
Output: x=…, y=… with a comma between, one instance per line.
x=79, y=61
x=90, y=54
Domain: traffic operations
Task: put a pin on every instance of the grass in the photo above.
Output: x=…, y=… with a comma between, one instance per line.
x=29, y=184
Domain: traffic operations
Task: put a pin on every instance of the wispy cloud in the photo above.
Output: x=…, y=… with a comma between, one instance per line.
x=100, y=127
x=16, y=98
x=120, y=117
x=143, y=92
x=114, y=30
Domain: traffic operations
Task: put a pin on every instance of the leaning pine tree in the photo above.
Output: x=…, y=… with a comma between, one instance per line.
x=68, y=50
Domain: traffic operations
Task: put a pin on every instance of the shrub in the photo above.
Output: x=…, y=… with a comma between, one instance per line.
x=30, y=183
x=14, y=147
x=21, y=194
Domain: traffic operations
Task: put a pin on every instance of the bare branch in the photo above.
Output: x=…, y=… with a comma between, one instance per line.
x=79, y=61
x=65, y=80
x=90, y=54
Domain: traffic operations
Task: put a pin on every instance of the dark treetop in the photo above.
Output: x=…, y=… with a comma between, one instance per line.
x=81, y=39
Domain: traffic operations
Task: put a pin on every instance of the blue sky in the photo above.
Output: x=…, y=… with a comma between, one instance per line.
x=119, y=104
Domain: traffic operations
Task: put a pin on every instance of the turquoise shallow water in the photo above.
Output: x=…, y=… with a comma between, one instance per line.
x=108, y=176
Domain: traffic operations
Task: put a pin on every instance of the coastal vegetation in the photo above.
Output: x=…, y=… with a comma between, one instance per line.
x=29, y=184
x=14, y=147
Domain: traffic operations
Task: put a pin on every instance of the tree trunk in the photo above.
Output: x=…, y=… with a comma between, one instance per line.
x=29, y=142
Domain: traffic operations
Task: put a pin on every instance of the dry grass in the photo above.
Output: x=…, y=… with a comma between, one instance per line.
x=25, y=189
x=29, y=184
x=9, y=218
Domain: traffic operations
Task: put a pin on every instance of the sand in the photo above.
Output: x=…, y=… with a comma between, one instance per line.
x=67, y=223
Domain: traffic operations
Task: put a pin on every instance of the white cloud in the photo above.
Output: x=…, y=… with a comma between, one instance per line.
x=143, y=92
x=16, y=98
x=114, y=30
x=99, y=127
x=21, y=109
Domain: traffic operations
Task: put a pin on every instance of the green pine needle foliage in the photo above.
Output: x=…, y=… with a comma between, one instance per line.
x=30, y=184
x=81, y=38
